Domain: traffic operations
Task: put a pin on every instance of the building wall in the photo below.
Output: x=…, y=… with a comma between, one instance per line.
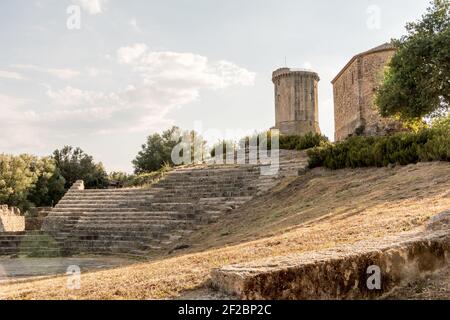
x=296, y=101
x=347, y=111
x=354, y=93
x=372, y=71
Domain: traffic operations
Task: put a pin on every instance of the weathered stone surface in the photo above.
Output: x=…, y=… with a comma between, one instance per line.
x=11, y=220
x=140, y=221
x=296, y=101
x=342, y=272
x=354, y=88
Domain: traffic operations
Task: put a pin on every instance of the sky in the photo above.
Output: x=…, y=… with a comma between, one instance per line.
x=104, y=74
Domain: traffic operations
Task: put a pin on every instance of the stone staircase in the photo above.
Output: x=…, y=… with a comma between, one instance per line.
x=140, y=221
x=31, y=243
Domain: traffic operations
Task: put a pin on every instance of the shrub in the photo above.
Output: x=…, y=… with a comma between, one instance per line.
x=302, y=142
x=146, y=179
x=402, y=148
x=74, y=164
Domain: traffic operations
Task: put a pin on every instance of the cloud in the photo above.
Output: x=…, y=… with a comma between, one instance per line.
x=160, y=81
x=135, y=26
x=307, y=65
x=16, y=124
x=92, y=6
x=64, y=74
x=127, y=55
x=185, y=70
x=165, y=80
x=11, y=75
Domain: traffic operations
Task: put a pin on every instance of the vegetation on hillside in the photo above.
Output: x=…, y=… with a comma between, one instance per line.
x=302, y=142
x=74, y=164
x=30, y=181
x=156, y=153
x=417, y=81
x=157, y=150
x=27, y=180
x=123, y=180
x=429, y=144
x=416, y=86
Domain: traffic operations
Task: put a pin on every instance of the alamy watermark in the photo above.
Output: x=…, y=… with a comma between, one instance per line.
x=255, y=149
x=74, y=17
x=374, y=279
x=73, y=277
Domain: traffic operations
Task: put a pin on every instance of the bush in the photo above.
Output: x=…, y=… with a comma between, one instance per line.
x=145, y=179
x=302, y=142
x=74, y=164
x=27, y=181
x=402, y=148
x=224, y=147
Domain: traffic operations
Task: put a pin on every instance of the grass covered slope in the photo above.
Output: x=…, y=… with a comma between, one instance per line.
x=317, y=211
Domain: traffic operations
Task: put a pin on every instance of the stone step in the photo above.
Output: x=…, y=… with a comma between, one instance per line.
x=72, y=210
x=106, y=198
x=25, y=251
x=150, y=214
x=114, y=191
x=154, y=218
x=184, y=195
x=126, y=221
x=140, y=235
x=215, y=170
x=121, y=228
x=207, y=181
x=211, y=189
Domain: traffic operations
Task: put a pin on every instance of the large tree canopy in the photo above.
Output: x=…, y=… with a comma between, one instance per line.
x=417, y=81
x=157, y=151
x=75, y=165
x=27, y=180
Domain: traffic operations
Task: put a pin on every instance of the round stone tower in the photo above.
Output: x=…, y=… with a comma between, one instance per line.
x=296, y=101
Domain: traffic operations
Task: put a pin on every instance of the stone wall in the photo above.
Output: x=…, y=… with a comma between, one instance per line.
x=296, y=101
x=36, y=217
x=354, y=91
x=53, y=224
x=11, y=220
x=342, y=272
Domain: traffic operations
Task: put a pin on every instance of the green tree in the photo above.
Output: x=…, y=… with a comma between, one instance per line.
x=225, y=147
x=18, y=174
x=74, y=164
x=417, y=80
x=27, y=180
x=49, y=187
x=119, y=178
x=157, y=151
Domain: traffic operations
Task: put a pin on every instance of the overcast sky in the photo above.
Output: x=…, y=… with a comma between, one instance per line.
x=126, y=69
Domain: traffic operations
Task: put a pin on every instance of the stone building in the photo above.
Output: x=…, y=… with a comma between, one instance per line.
x=354, y=88
x=296, y=101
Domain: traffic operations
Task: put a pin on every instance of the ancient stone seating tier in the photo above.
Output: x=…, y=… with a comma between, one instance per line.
x=141, y=220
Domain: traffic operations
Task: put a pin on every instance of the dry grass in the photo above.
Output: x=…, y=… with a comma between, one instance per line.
x=433, y=287
x=317, y=211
